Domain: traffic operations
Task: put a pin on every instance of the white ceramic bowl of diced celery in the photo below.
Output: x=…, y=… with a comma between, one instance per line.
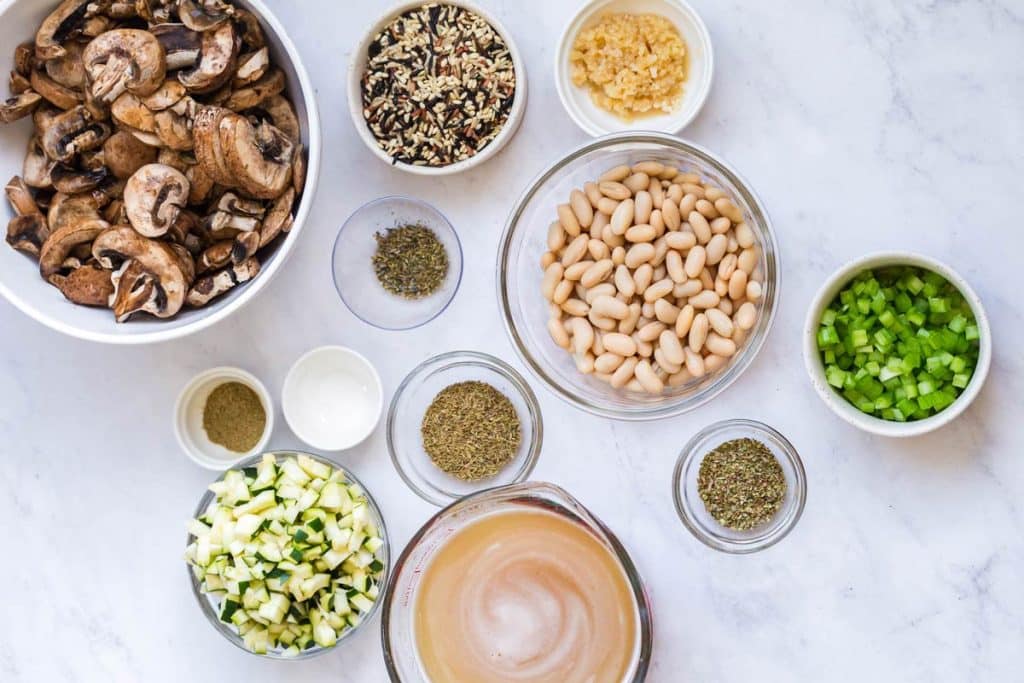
x=837, y=402
x=287, y=555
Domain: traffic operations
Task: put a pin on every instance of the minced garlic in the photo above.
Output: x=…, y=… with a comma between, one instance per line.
x=633, y=64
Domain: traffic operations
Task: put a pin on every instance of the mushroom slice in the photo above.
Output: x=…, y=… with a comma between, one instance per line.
x=271, y=84
x=153, y=197
x=279, y=112
x=213, y=285
x=18, y=84
x=109, y=189
x=276, y=218
x=204, y=15
x=245, y=246
x=73, y=132
x=174, y=127
x=28, y=232
x=124, y=60
x=63, y=23
x=37, y=166
x=116, y=246
x=129, y=111
x=58, y=95
x=135, y=291
x=250, y=30
x=215, y=256
x=67, y=210
x=299, y=170
x=251, y=67
x=19, y=106
x=181, y=45
x=60, y=242
x=166, y=96
x=114, y=212
x=201, y=184
x=71, y=180
x=20, y=196
x=124, y=154
x=69, y=69
x=234, y=215
x=259, y=159
x=207, y=142
x=217, y=58
x=24, y=59
x=88, y=285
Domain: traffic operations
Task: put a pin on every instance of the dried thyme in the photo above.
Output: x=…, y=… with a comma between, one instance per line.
x=234, y=417
x=471, y=430
x=410, y=261
x=439, y=85
x=742, y=484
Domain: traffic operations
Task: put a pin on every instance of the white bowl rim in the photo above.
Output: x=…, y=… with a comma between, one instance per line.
x=839, y=405
x=515, y=116
x=342, y=350
x=229, y=373
x=266, y=274
x=590, y=127
x=754, y=344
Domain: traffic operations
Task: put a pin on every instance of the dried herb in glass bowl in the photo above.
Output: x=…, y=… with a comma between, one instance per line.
x=410, y=261
x=742, y=484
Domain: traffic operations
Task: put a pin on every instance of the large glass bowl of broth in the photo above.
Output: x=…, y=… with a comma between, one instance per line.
x=516, y=583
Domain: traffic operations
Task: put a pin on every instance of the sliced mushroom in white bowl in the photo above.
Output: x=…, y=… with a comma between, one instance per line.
x=158, y=151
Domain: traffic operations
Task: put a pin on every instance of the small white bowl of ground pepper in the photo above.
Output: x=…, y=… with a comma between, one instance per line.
x=461, y=422
x=436, y=88
x=223, y=415
x=739, y=486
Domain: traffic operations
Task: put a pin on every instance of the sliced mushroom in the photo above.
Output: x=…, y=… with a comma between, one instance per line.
x=60, y=242
x=108, y=190
x=27, y=233
x=272, y=83
x=153, y=197
x=19, y=106
x=63, y=23
x=155, y=11
x=215, y=284
x=20, y=196
x=201, y=184
x=69, y=69
x=97, y=25
x=58, y=95
x=217, y=58
x=233, y=215
x=18, y=84
x=277, y=217
x=71, y=180
x=174, y=125
x=181, y=45
x=250, y=30
x=206, y=138
x=185, y=232
x=72, y=132
x=166, y=96
x=299, y=170
x=245, y=246
x=114, y=213
x=37, y=166
x=67, y=210
x=204, y=15
x=87, y=285
x=124, y=60
x=278, y=111
x=124, y=154
x=259, y=159
x=116, y=246
x=135, y=291
x=24, y=59
x=215, y=256
x=251, y=67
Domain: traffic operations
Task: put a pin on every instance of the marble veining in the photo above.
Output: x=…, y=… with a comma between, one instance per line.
x=863, y=124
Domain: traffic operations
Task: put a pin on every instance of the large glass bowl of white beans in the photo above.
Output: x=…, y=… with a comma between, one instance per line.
x=638, y=277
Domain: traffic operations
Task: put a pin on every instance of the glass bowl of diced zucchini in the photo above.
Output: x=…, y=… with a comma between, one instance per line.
x=287, y=555
x=897, y=344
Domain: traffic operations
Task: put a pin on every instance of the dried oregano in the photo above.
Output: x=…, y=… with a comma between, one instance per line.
x=742, y=484
x=410, y=261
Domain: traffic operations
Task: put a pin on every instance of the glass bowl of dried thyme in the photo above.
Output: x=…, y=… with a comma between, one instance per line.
x=739, y=486
x=462, y=422
x=397, y=263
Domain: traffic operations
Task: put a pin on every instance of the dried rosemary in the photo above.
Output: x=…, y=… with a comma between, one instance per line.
x=742, y=484
x=410, y=261
x=233, y=417
x=471, y=430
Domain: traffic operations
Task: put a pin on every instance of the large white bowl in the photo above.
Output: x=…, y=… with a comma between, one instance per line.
x=843, y=408
x=20, y=282
x=357, y=66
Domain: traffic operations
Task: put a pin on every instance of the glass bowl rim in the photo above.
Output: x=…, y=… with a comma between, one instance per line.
x=424, y=204
x=773, y=533
x=731, y=372
x=227, y=630
x=476, y=358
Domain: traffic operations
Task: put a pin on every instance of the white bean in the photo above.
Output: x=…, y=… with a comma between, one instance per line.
x=568, y=220
x=746, y=316
x=641, y=233
x=651, y=383
x=659, y=289
x=575, y=251
x=672, y=347
x=695, y=261
x=610, y=307
x=664, y=363
x=558, y=334
x=597, y=273
x=616, y=174
x=665, y=311
x=712, y=362
x=706, y=299
x=616, y=191
x=552, y=276
x=700, y=226
x=598, y=249
x=622, y=218
x=576, y=270
x=642, y=207
x=622, y=344
x=639, y=254
x=694, y=363
x=584, y=362
x=720, y=322
x=738, y=284
x=637, y=182
x=608, y=362
x=581, y=207
x=720, y=346
x=747, y=260
x=688, y=289
x=698, y=332
x=720, y=225
x=624, y=373
x=576, y=307
x=753, y=290
x=603, y=289
x=607, y=205
x=728, y=209
x=593, y=194
x=642, y=276
x=716, y=249
x=681, y=241
x=563, y=290
x=707, y=209
x=744, y=235
x=651, y=168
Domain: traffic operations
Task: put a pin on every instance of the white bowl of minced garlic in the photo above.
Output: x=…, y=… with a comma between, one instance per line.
x=634, y=65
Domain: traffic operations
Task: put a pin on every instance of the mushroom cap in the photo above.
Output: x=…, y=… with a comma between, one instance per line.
x=153, y=197
x=217, y=58
x=56, y=94
x=270, y=84
x=37, y=166
x=181, y=44
x=27, y=232
x=71, y=180
x=60, y=242
x=69, y=69
x=62, y=23
x=124, y=154
x=204, y=16
x=259, y=159
x=212, y=285
x=88, y=285
x=124, y=59
x=19, y=106
x=120, y=244
x=72, y=132
x=20, y=196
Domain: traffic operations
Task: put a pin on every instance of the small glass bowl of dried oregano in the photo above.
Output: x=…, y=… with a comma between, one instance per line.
x=462, y=422
x=739, y=486
x=397, y=263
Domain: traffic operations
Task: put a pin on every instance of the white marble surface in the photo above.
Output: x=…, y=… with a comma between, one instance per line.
x=864, y=124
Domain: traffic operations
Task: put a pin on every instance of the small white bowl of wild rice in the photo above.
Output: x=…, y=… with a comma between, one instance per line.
x=436, y=88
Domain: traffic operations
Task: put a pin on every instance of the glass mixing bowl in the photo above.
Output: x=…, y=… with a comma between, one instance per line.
x=397, y=629
x=525, y=311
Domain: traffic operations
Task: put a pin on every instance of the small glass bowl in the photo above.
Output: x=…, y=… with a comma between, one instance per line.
x=415, y=394
x=352, y=263
x=210, y=604
x=691, y=508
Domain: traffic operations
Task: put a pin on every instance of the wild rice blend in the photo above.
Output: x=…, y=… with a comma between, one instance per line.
x=439, y=85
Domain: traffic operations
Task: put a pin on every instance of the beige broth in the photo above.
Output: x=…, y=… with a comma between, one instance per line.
x=525, y=595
